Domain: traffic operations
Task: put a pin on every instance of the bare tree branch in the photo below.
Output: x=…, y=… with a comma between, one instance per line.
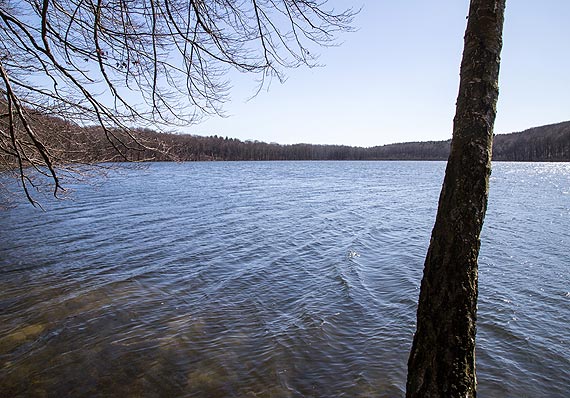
x=122, y=63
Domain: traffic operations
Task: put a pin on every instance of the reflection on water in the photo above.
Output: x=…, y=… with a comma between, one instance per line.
x=290, y=279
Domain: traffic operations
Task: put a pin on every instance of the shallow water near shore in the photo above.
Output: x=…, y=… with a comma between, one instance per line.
x=273, y=279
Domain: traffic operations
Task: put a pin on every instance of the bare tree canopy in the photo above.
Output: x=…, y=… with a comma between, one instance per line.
x=120, y=63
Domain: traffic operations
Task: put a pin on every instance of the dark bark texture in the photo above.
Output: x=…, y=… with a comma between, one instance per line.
x=442, y=359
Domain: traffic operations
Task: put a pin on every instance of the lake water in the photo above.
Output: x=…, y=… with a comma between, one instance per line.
x=273, y=279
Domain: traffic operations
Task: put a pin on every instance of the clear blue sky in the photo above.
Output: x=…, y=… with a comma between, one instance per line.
x=396, y=78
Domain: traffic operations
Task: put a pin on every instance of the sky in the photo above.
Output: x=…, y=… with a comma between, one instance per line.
x=396, y=78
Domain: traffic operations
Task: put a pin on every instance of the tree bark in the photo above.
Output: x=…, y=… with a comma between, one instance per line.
x=442, y=359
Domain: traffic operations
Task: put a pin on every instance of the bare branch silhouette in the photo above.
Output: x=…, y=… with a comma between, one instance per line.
x=125, y=63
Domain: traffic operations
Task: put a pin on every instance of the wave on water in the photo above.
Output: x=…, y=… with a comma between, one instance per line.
x=272, y=279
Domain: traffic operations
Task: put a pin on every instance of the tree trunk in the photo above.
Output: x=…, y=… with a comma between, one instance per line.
x=442, y=359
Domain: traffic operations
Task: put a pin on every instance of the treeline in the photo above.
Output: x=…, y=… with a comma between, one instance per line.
x=549, y=143
x=546, y=143
x=69, y=143
x=184, y=147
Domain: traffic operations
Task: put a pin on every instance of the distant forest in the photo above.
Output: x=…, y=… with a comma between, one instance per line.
x=549, y=143
x=73, y=144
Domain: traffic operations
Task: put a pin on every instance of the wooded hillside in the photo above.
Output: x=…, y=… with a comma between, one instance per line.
x=545, y=143
x=71, y=143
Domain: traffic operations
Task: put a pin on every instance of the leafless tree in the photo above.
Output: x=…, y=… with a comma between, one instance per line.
x=125, y=63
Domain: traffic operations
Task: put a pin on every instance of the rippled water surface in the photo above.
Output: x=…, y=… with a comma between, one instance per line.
x=272, y=279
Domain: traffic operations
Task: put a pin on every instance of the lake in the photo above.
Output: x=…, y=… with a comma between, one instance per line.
x=272, y=279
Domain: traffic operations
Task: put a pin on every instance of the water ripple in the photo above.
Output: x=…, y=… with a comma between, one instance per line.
x=286, y=279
